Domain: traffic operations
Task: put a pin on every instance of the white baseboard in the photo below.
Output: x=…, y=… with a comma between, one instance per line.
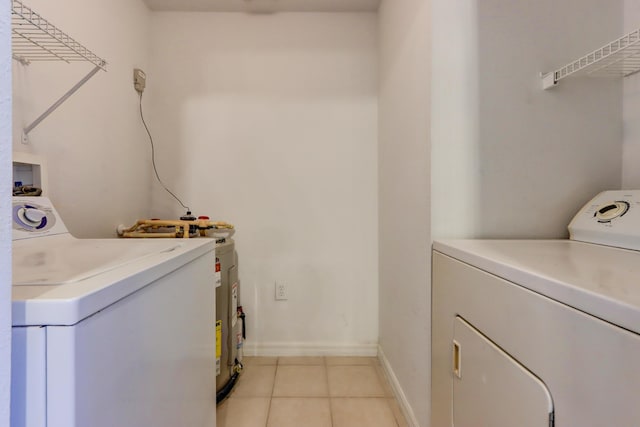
x=309, y=349
x=397, y=390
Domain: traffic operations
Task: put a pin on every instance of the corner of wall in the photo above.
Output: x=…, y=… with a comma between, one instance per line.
x=405, y=407
x=405, y=199
x=5, y=209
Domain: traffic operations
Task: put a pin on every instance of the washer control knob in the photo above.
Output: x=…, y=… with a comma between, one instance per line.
x=611, y=210
x=31, y=215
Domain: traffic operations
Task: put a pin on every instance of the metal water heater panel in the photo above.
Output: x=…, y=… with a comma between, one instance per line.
x=230, y=326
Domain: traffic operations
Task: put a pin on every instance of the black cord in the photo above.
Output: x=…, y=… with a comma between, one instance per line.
x=153, y=159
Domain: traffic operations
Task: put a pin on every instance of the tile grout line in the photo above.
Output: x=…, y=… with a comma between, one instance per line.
x=326, y=363
x=326, y=376
x=275, y=374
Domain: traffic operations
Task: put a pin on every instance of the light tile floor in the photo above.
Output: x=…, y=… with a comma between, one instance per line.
x=311, y=392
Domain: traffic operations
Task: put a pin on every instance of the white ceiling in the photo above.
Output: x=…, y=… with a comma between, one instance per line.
x=265, y=6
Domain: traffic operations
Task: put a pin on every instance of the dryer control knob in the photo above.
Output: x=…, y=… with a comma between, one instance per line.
x=609, y=211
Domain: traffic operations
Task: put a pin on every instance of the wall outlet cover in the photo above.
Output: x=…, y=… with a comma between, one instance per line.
x=281, y=292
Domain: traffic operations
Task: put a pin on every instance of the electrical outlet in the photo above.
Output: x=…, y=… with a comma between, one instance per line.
x=139, y=80
x=281, y=292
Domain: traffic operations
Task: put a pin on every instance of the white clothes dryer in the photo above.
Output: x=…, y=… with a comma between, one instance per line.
x=109, y=332
x=541, y=332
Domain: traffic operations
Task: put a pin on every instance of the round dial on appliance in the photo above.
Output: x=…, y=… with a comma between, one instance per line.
x=611, y=210
x=31, y=215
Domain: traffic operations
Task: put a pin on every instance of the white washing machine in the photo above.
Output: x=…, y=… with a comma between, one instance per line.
x=541, y=332
x=109, y=332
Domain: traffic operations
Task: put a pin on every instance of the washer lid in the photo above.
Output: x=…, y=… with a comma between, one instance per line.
x=60, y=280
x=63, y=259
x=598, y=280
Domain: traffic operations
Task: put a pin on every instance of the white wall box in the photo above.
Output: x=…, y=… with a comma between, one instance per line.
x=30, y=169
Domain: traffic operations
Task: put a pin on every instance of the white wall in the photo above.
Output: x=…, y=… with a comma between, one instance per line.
x=454, y=112
x=269, y=122
x=404, y=200
x=96, y=148
x=631, y=121
x=509, y=159
x=5, y=211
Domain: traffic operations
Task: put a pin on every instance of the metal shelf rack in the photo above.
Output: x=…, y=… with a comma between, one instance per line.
x=620, y=58
x=33, y=38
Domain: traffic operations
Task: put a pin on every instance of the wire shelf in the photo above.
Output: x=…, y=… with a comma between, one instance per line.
x=33, y=38
x=620, y=58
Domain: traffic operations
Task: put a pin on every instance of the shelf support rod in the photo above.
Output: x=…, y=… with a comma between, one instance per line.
x=20, y=59
x=59, y=102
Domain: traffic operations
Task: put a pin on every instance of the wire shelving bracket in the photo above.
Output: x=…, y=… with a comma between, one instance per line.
x=620, y=58
x=33, y=38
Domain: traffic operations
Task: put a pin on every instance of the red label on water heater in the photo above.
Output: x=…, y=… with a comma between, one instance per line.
x=218, y=273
